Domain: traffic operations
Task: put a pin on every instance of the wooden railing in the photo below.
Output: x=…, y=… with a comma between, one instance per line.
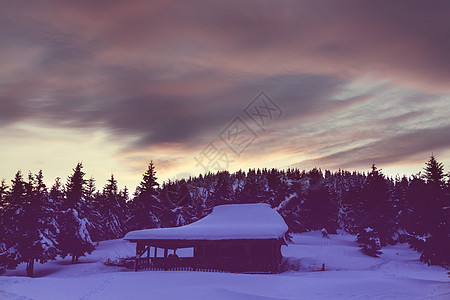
x=209, y=264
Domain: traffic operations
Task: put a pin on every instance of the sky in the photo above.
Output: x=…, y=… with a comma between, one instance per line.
x=198, y=86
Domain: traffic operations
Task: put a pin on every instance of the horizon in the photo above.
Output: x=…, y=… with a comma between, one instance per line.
x=131, y=188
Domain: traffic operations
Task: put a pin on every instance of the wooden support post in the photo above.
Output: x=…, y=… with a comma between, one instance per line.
x=137, y=257
x=165, y=258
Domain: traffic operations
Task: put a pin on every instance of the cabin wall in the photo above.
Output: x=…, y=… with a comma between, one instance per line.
x=255, y=256
x=266, y=249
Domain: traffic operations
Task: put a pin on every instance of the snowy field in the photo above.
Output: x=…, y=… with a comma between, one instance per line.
x=397, y=274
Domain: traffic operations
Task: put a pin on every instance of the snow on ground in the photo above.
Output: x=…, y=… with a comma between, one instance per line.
x=349, y=274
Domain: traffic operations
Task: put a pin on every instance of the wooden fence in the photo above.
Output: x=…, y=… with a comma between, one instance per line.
x=209, y=264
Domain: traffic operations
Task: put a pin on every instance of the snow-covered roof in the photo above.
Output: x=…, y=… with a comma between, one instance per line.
x=231, y=221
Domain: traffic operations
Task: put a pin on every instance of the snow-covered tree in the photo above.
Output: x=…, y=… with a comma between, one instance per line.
x=3, y=193
x=112, y=214
x=39, y=227
x=277, y=188
x=74, y=238
x=369, y=242
x=91, y=210
x=10, y=223
x=29, y=224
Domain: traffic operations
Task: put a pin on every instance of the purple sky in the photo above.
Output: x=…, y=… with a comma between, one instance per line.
x=115, y=84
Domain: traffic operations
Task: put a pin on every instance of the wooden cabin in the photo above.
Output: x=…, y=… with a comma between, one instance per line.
x=241, y=238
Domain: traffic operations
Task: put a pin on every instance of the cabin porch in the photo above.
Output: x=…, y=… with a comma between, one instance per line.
x=236, y=256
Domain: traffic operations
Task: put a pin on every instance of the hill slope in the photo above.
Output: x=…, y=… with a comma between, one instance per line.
x=349, y=274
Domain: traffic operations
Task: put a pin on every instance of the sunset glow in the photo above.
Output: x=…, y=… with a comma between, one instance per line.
x=115, y=84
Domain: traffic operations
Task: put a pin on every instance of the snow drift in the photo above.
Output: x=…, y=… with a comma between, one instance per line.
x=232, y=221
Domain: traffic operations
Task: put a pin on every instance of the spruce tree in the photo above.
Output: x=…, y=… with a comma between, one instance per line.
x=377, y=208
x=318, y=209
x=39, y=227
x=57, y=193
x=112, y=215
x=146, y=208
x=289, y=208
x=3, y=193
x=124, y=198
x=29, y=224
x=12, y=217
x=75, y=189
x=91, y=210
x=352, y=208
x=436, y=215
x=75, y=238
x=322, y=210
x=3, y=204
x=434, y=172
x=401, y=192
x=184, y=211
x=253, y=191
x=277, y=188
x=420, y=215
x=223, y=190
x=369, y=242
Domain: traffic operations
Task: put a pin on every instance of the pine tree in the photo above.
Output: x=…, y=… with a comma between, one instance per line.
x=146, y=208
x=57, y=193
x=289, y=208
x=30, y=225
x=377, y=208
x=91, y=210
x=124, y=198
x=276, y=188
x=369, y=242
x=252, y=191
x=39, y=227
x=352, y=208
x=318, y=210
x=12, y=214
x=111, y=211
x=3, y=204
x=3, y=193
x=75, y=238
x=75, y=189
x=222, y=190
x=436, y=229
x=434, y=172
x=401, y=192
x=166, y=196
x=420, y=215
x=184, y=212
x=321, y=209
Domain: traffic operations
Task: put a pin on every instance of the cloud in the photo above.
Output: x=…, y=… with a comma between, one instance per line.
x=385, y=151
x=160, y=73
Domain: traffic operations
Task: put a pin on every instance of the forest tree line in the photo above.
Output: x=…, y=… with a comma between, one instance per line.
x=38, y=223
